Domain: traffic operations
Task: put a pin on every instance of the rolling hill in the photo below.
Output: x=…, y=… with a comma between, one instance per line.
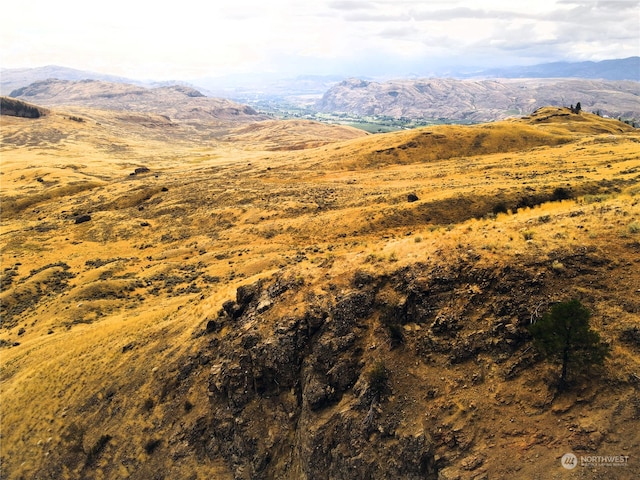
x=186, y=302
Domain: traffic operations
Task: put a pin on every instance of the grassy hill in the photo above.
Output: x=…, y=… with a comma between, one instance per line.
x=165, y=285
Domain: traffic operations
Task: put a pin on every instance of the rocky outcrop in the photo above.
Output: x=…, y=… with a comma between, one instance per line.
x=295, y=395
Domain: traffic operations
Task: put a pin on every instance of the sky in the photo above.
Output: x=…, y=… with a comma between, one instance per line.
x=190, y=39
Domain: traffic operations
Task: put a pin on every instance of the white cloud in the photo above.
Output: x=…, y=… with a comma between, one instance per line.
x=191, y=38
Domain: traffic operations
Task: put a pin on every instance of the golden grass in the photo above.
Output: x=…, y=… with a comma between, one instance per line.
x=164, y=249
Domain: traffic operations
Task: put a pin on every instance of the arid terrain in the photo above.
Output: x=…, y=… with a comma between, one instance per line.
x=479, y=100
x=205, y=299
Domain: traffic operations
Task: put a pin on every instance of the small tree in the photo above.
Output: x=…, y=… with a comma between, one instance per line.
x=563, y=336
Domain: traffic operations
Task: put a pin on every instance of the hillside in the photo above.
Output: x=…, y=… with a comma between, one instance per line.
x=177, y=102
x=181, y=302
x=479, y=100
x=16, y=108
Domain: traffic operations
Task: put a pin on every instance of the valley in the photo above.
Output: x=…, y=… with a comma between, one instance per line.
x=168, y=279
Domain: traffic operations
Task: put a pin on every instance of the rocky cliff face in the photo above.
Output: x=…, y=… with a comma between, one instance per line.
x=306, y=378
x=478, y=101
x=386, y=377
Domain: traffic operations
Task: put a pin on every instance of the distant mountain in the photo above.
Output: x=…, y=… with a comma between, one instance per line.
x=620, y=69
x=176, y=101
x=479, y=100
x=14, y=78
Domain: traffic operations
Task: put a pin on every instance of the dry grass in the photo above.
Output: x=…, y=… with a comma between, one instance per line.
x=96, y=349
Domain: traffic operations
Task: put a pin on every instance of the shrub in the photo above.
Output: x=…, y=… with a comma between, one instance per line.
x=378, y=378
x=148, y=405
x=500, y=207
x=561, y=193
x=97, y=449
x=152, y=445
x=396, y=335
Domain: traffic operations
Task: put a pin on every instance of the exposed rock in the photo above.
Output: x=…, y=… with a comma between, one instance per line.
x=82, y=219
x=472, y=462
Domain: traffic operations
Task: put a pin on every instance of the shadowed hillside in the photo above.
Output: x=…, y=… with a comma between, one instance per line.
x=293, y=300
x=16, y=108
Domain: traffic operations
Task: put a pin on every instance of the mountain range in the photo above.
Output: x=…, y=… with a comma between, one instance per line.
x=479, y=100
x=251, y=85
x=619, y=69
x=442, y=100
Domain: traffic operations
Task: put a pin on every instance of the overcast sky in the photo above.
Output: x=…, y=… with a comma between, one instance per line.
x=188, y=39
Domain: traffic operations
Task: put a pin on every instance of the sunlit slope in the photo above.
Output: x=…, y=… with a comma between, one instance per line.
x=546, y=127
x=278, y=135
x=107, y=367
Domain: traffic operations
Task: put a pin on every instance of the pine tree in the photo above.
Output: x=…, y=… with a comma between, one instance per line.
x=563, y=336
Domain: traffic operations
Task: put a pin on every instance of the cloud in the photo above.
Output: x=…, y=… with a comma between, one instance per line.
x=349, y=5
x=328, y=35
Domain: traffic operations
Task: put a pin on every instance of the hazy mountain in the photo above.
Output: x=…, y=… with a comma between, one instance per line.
x=14, y=78
x=619, y=69
x=479, y=100
x=250, y=85
x=177, y=101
